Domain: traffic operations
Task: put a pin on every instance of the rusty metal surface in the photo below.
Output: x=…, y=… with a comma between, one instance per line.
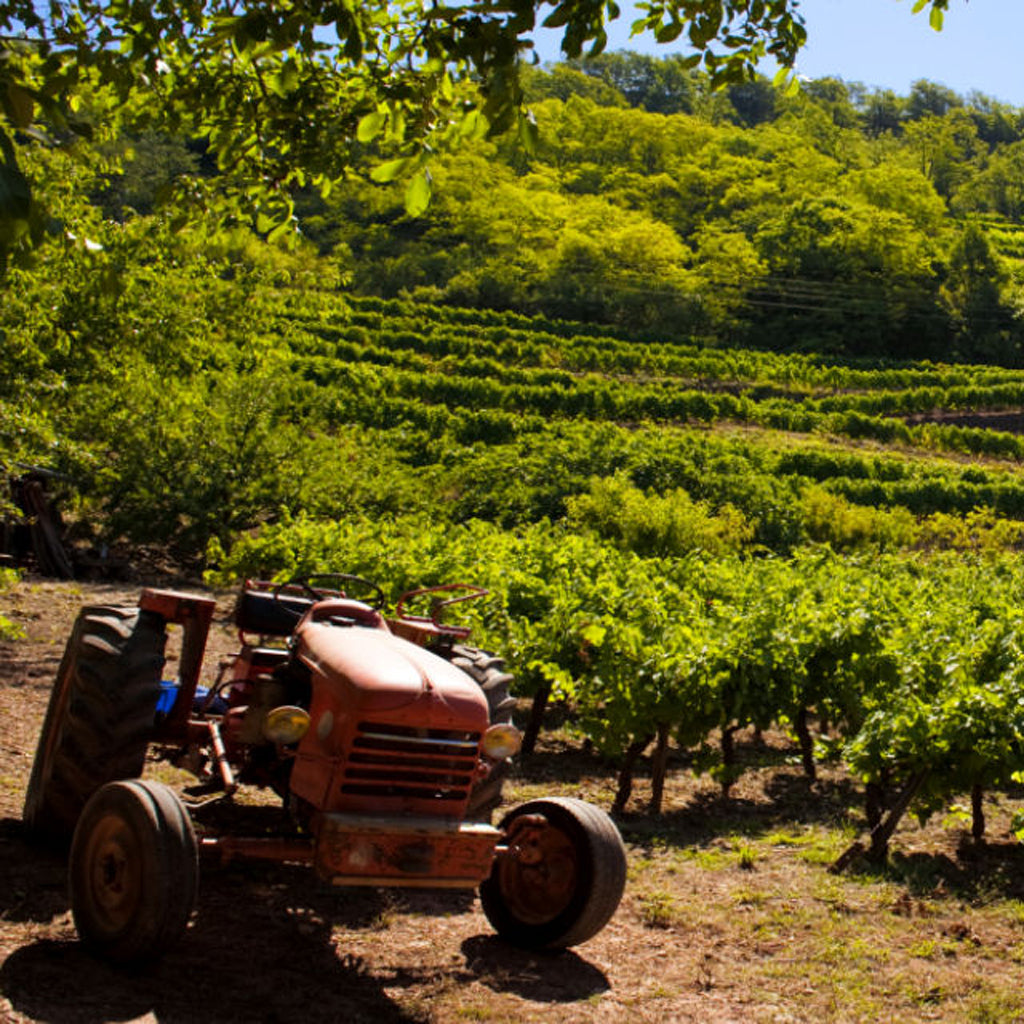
x=228, y=848
x=539, y=870
x=394, y=728
x=176, y=606
x=220, y=756
x=194, y=614
x=419, y=852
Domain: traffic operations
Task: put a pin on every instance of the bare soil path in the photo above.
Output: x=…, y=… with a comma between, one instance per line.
x=729, y=914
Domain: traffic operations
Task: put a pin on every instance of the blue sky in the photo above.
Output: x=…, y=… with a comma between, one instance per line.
x=881, y=43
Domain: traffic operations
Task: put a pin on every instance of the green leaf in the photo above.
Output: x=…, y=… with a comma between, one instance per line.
x=285, y=81
x=280, y=231
x=669, y=33
x=474, y=125
x=396, y=126
x=417, y=195
x=559, y=16
x=112, y=282
x=389, y=171
x=354, y=47
x=371, y=126
x=20, y=105
x=15, y=194
x=935, y=19
x=529, y=134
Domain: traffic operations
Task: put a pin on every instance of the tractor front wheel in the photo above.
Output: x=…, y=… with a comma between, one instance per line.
x=560, y=877
x=134, y=871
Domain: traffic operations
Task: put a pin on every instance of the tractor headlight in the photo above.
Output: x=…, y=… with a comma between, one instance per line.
x=501, y=741
x=285, y=724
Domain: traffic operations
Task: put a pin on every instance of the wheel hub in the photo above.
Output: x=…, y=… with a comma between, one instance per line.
x=539, y=874
x=114, y=875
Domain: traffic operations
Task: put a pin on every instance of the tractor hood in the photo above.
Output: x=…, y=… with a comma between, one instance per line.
x=373, y=673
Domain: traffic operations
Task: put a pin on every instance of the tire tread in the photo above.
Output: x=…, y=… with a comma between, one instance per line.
x=99, y=722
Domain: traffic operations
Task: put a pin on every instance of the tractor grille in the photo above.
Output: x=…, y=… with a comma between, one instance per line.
x=400, y=761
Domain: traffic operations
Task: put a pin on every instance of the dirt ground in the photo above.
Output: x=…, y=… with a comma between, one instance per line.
x=729, y=916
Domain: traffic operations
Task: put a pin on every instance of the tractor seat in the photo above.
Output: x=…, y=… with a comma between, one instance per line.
x=260, y=611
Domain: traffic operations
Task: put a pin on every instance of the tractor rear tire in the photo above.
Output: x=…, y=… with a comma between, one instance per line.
x=488, y=671
x=133, y=872
x=562, y=889
x=100, y=717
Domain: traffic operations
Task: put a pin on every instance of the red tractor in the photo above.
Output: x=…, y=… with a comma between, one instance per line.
x=387, y=739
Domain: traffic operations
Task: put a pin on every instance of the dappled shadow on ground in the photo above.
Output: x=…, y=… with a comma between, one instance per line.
x=562, y=764
x=33, y=882
x=977, y=872
x=788, y=799
x=829, y=799
x=557, y=977
x=259, y=949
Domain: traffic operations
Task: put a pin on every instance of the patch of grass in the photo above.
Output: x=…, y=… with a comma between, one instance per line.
x=1015, y=911
x=169, y=774
x=830, y=891
x=746, y=858
x=785, y=837
x=661, y=992
x=869, y=951
x=816, y=845
x=925, y=949
x=9, y=630
x=709, y=859
x=638, y=867
x=473, y=1013
x=988, y=1007
x=658, y=909
x=750, y=898
x=932, y=995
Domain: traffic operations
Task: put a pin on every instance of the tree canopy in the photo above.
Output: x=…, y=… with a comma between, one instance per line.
x=287, y=94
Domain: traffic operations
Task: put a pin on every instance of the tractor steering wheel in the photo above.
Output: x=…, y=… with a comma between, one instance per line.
x=322, y=586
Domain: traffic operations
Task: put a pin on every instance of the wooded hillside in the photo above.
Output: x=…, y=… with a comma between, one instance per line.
x=840, y=219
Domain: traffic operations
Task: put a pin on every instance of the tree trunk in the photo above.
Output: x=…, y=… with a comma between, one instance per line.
x=874, y=804
x=881, y=833
x=629, y=760
x=977, y=813
x=536, y=719
x=728, y=759
x=659, y=768
x=806, y=744
x=881, y=828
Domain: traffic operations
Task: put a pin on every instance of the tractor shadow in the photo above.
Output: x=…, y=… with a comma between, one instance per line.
x=559, y=976
x=33, y=883
x=262, y=947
